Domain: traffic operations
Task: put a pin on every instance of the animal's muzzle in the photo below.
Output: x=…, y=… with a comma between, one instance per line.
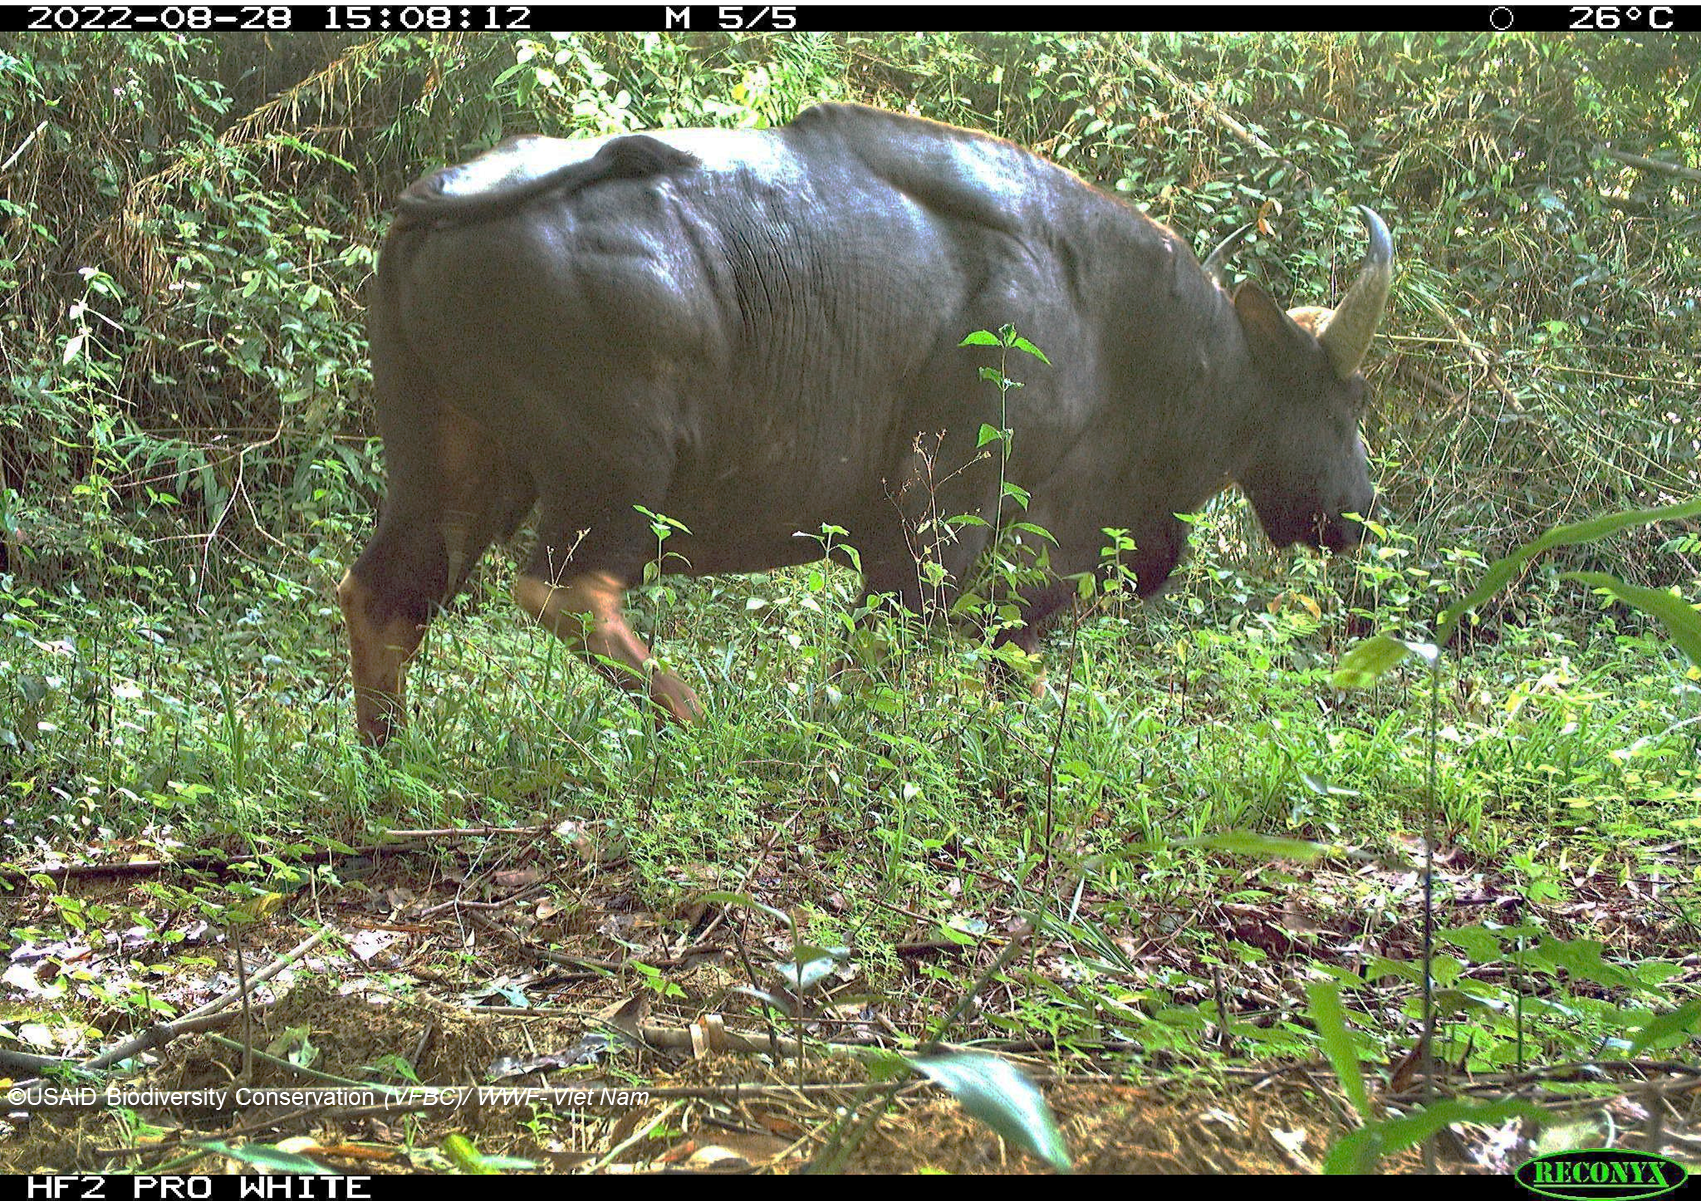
x=1338, y=532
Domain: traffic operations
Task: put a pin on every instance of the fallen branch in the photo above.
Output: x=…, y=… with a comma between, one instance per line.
x=406, y=844
x=1649, y=164
x=151, y=1038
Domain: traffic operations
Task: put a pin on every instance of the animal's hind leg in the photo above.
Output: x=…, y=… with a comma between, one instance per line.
x=451, y=491
x=584, y=610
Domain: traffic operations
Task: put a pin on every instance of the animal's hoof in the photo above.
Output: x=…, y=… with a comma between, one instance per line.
x=675, y=697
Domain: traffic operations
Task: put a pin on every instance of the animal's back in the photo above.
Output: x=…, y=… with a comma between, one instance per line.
x=781, y=307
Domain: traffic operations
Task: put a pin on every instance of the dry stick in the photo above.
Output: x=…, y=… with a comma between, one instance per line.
x=176, y=1140
x=1202, y=101
x=260, y=977
x=675, y=1038
x=1479, y=356
x=469, y=831
x=459, y=904
x=643, y=1132
x=1648, y=164
x=19, y=152
x=147, y=867
x=164, y=1032
x=194, y=863
x=247, y=1010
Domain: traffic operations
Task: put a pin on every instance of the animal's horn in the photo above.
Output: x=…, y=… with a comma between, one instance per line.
x=1217, y=261
x=1347, y=333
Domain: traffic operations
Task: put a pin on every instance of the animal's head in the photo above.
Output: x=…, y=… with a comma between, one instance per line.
x=1307, y=466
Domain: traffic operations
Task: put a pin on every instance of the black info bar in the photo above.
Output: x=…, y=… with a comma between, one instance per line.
x=817, y=18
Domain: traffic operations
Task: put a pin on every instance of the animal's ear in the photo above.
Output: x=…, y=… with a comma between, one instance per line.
x=1269, y=331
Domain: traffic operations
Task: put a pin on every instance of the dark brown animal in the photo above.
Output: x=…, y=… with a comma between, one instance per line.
x=747, y=331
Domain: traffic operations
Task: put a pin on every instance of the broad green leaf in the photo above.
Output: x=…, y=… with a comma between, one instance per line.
x=1592, y=529
x=1678, y=616
x=1369, y=661
x=1322, y=787
x=1331, y=1022
x=1451, y=1002
x=1582, y=958
x=981, y=337
x=1478, y=942
x=996, y=1093
x=988, y=433
x=1038, y=531
x=1683, y=1020
x=1027, y=347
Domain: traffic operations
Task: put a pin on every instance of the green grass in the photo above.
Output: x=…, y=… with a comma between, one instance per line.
x=917, y=796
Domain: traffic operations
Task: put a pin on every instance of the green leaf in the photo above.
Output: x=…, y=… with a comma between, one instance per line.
x=262, y=1155
x=1369, y=661
x=465, y=1156
x=1260, y=846
x=1682, y=1021
x=1478, y=942
x=742, y=900
x=1331, y=1022
x=981, y=337
x=1359, y=1151
x=988, y=433
x=1582, y=958
x=1591, y=529
x=1679, y=617
x=1027, y=347
x=996, y=1093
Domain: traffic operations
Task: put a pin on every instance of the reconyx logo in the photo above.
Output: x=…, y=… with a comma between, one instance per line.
x=1620, y=1175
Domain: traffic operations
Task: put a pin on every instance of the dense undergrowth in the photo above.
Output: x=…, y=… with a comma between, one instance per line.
x=187, y=465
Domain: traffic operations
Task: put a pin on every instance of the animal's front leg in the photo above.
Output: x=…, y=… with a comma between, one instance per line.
x=585, y=611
